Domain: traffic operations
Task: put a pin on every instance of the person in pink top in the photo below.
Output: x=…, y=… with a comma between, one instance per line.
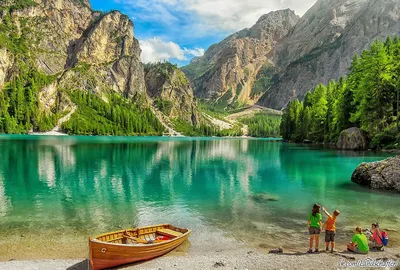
x=376, y=237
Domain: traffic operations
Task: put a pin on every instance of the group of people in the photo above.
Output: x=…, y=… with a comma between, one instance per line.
x=359, y=243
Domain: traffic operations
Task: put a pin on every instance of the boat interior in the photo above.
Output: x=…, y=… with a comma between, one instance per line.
x=143, y=235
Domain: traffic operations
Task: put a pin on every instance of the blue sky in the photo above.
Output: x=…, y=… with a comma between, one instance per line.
x=178, y=30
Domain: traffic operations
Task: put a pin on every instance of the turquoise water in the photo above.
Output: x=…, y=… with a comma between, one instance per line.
x=257, y=191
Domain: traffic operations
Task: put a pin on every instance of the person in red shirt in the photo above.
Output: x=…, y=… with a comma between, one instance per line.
x=376, y=237
x=330, y=229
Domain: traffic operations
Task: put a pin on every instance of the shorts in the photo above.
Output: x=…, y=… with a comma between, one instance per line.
x=314, y=230
x=356, y=250
x=330, y=236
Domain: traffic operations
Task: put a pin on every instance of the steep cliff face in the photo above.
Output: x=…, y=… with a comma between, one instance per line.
x=52, y=49
x=324, y=41
x=73, y=61
x=64, y=34
x=106, y=57
x=227, y=72
x=170, y=90
x=53, y=25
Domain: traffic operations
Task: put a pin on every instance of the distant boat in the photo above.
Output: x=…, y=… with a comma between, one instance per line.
x=132, y=245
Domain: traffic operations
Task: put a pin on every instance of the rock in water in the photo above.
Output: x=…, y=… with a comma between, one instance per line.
x=264, y=197
x=352, y=139
x=384, y=175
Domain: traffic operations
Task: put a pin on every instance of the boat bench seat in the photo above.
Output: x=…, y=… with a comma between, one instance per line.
x=168, y=232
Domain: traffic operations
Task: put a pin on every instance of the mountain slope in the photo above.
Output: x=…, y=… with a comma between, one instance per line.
x=324, y=41
x=60, y=58
x=227, y=72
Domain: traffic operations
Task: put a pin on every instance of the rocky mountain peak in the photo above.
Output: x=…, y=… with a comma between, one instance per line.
x=170, y=90
x=272, y=24
x=78, y=52
x=111, y=37
x=325, y=22
x=225, y=75
x=323, y=43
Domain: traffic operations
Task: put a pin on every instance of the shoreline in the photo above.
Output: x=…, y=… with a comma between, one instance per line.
x=237, y=256
x=216, y=249
x=48, y=133
x=334, y=147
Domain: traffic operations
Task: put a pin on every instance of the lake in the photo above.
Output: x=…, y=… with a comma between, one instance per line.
x=56, y=191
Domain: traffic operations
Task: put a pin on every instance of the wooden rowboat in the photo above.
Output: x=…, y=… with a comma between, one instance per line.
x=132, y=245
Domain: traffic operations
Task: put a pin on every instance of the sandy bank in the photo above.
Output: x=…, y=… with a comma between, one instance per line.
x=50, y=133
x=235, y=257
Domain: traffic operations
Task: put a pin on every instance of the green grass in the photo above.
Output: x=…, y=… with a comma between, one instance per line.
x=212, y=110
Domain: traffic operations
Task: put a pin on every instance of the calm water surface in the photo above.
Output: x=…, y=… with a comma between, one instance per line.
x=60, y=190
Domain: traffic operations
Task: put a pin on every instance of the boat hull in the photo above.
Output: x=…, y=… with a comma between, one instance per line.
x=105, y=255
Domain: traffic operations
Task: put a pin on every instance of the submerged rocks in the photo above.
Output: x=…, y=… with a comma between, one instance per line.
x=263, y=197
x=384, y=175
x=352, y=139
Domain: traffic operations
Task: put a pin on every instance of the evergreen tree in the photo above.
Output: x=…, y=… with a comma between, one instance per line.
x=368, y=98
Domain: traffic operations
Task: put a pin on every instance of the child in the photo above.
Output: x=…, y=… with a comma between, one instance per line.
x=376, y=237
x=359, y=243
x=314, y=227
x=330, y=229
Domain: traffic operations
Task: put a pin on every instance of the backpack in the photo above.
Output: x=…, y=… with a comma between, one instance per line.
x=385, y=238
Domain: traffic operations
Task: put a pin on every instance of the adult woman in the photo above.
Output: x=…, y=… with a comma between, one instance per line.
x=314, y=226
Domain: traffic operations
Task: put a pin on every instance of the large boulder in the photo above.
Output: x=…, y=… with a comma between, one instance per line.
x=383, y=174
x=352, y=139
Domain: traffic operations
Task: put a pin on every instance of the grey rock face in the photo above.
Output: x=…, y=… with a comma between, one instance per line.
x=231, y=66
x=124, y=76
x=5, y=65
x=108, y=39
x=384, y=175
x=172, y=85
x=323, y=43
x=352, y=139
x=54, y=24
x=88, y=50
x=112, y=53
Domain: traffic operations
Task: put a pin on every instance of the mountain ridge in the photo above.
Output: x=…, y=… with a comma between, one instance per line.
x=227, y=71
x=88, y=66
x=319, y=47
x=351, y=27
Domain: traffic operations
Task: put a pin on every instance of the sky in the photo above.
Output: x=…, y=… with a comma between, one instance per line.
x=178, y=30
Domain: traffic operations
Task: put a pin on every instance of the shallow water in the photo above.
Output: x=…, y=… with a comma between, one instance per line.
x=56, y=191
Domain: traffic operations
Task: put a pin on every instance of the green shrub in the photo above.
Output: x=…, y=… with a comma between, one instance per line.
x=389, y=138
x=165, y=106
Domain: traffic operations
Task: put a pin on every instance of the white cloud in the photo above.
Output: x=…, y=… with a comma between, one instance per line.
x=233, y=15
x=213, y=15
x=156, y=50
x=195, y=52
x=195, y=21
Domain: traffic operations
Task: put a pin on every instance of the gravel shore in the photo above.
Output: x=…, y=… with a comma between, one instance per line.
x=207, y=248
x=234, y=257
